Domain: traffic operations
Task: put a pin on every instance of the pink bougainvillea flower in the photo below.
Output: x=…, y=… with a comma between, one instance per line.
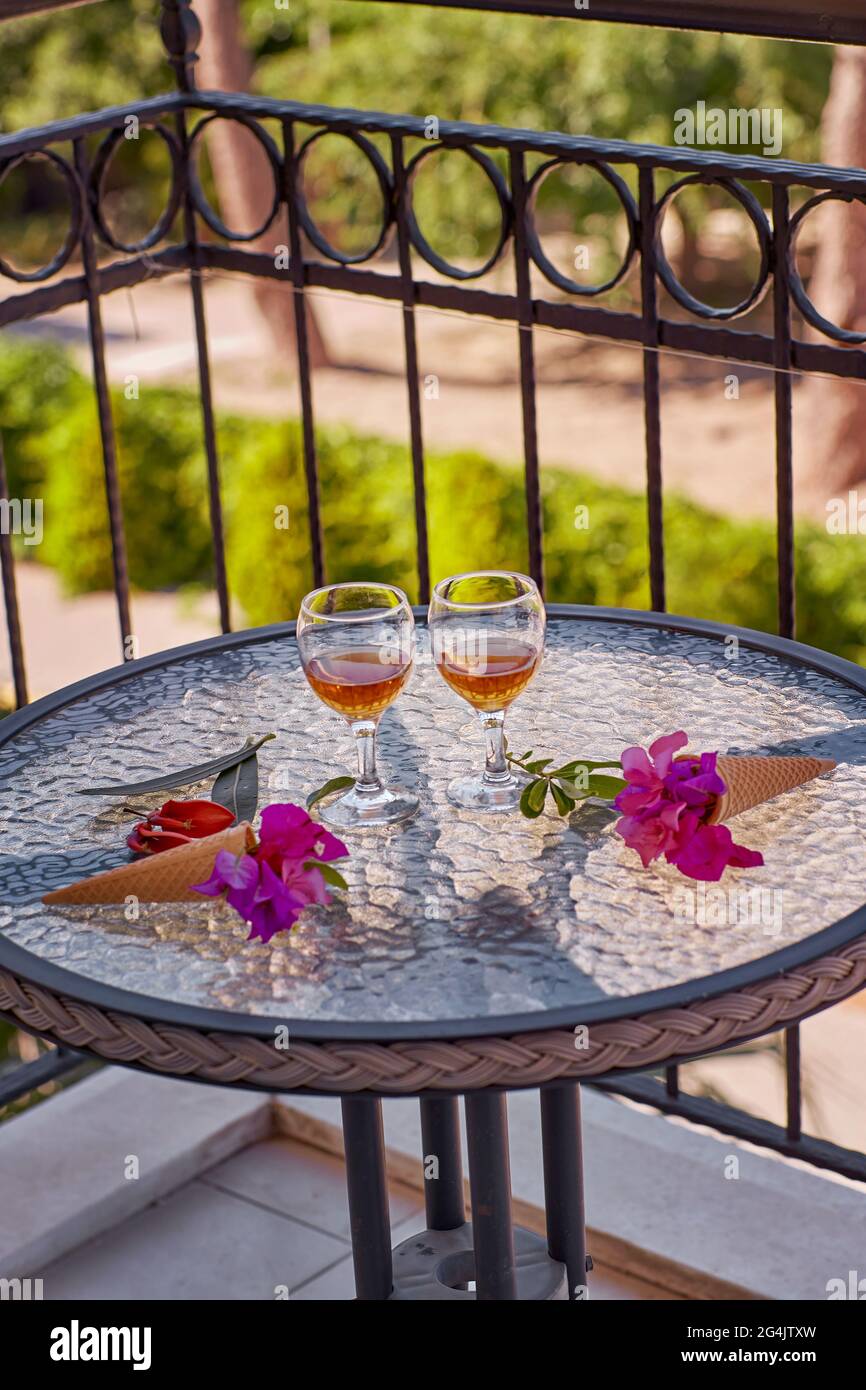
x=271, y=884
x=666, y=810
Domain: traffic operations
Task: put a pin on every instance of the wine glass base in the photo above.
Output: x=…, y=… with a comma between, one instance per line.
x=369, y=810
x=473, y=793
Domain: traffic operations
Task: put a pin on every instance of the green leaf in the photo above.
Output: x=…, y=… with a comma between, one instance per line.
x=606, y=787
x=539, y=765
x=336, y=784
x=182, y=777
x=328, y=872
x=569, y=769
x=532, y=798
x=572, y=789
x=535, y=794
x=564, y=804
x=238, y=789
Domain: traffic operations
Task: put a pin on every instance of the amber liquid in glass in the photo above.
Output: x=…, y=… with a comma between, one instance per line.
x=356, y=682
x=491, y=682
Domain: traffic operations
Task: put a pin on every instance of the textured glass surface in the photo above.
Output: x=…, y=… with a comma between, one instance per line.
x=453, y=916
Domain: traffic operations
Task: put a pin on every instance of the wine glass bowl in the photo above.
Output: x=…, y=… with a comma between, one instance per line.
x=487, y=636
x=357, y=647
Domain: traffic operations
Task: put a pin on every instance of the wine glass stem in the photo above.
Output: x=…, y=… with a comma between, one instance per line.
x=496, y=767
x=365, y=741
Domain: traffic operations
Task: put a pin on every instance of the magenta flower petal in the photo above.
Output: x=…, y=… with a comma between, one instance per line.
x=290, y=828
x=662, y=751
x=636, y=765
x=238, y=871
x=327, y=846
x=307, y=884
x=649, y=836
x=711, y=850
x=742, y=858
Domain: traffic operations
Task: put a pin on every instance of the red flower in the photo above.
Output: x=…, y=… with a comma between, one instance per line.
x=176, y=823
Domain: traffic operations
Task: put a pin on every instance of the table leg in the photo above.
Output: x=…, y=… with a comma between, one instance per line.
x=367, y=1183
x=440, y=1140
x=490, y=1184
x=563, y=1182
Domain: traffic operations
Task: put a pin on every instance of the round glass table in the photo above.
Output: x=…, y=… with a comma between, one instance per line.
x=473, y=953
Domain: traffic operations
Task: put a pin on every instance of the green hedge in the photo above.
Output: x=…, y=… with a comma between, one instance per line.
x=717, y=567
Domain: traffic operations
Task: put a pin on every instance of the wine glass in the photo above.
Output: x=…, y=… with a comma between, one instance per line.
x=487, y=635
x=357, y=644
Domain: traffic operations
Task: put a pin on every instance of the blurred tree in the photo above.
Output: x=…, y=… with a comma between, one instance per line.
x=604, y=80
x=838, y=285
x=610, y=81
x=242, y=173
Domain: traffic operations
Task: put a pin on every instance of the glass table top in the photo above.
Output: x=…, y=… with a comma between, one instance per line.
x=456, y=916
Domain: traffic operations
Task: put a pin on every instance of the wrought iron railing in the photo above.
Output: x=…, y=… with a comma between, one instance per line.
x=313, y=263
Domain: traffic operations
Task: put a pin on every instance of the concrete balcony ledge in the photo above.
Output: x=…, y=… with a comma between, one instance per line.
x=131, y=1186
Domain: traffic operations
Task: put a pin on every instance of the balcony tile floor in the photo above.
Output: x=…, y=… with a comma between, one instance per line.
x=270, y=1220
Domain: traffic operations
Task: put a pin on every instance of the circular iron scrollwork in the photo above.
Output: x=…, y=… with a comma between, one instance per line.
x=798, y=290
x=750, y=205
x=76, y=203
x=201, y=203
x=101, y=164
x=386, y=188
x=500, y=188
x=536, y=251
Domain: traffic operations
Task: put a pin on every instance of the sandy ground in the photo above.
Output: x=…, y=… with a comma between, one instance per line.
x=716, y=449
x=67, y=639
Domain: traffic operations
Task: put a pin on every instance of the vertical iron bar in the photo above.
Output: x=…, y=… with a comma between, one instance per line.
x=206, y=398
x=672, y=1081
x=490, y=1185
x=181, y=32
x=782, y=364
x=440, y=1139
x=10, y=595
x=367, y=1184
x=785, y=527
x=793, y=1083
x=562, y=1150
x=534, y=515
x=296, y=267
x=651, y=393
x=103, y=405
x=401, y=195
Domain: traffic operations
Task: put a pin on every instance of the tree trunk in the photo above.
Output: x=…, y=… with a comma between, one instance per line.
x=243, y=174
x=836, y=408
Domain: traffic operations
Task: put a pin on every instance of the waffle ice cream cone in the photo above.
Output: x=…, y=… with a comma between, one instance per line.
x=751, y=780
x=159, y=878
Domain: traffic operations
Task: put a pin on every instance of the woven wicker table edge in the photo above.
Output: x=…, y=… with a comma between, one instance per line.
x=406, y=1068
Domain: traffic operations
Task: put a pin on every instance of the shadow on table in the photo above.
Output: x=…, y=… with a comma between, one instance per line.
x=846, y=745
x=23, y=881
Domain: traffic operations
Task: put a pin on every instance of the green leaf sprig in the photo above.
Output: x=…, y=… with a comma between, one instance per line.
x=336, y=784
x=567, y=784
